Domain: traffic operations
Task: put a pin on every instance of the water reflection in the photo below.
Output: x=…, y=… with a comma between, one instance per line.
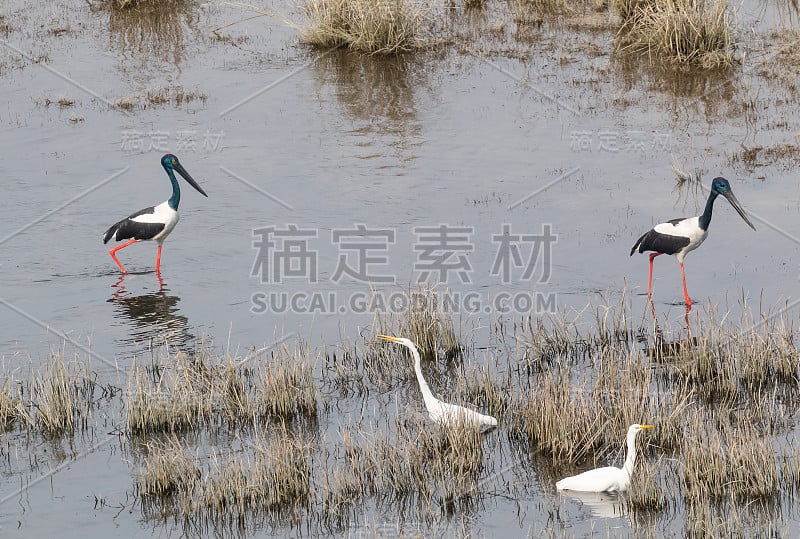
x=378, y=94
x=601, y=504
x=154, y=317
x=153, y=31
x=664, y=347
x=710, y=86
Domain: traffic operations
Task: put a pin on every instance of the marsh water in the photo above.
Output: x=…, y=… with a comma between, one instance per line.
x=336, y=181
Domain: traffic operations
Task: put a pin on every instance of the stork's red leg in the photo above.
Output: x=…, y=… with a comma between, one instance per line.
x=117, y=248
x=158, y=260
x=650, y=279
x=685, y=293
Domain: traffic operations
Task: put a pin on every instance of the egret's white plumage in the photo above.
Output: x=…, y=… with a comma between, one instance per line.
x=608, y=479
x=439, y=411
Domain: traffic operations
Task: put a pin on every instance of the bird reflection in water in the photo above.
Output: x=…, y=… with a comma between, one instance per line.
x=601, y=504
x=663, y=347
x=154, y=316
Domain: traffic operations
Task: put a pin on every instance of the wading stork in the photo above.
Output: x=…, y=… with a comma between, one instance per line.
x=153, y=223
x=680, y=236
x=441, y=412
x=608, y=479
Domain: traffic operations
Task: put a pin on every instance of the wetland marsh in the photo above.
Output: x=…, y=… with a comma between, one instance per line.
x=233, y=395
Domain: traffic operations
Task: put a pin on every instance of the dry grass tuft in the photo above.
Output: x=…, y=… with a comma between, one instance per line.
x=648, y=490
x=286, y=387
x=63, y=396
x=679, y=31
x=176, y=95
x=427, y=320
x=433, y=465
x=277, y=477
x=728, y=463
x=562, y=422
x=168, y=471
x=369, y=26
x=139, y=4
x=171, y=399
x=752, y=157
x=11, y=407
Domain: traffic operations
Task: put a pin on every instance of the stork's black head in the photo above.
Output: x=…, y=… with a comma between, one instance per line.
x=169, y=161
x=718, y=185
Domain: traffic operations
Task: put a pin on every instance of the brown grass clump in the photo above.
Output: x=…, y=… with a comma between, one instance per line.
x=430, y=464
x=172, y=399
x=286, y=387
x=63, y=396
x=562, y=422
x=679, y=31
x=235, y=400
x=177, y=95
x=648, y=489
x=751, y=157
x=277, y=477
x=369, y=26
x=11, y=407
x=427, y=320
x=135, y=4
x=168, y=471
x=728, y=464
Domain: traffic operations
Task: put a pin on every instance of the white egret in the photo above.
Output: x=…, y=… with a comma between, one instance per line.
x=608, y=479
x=439, y=411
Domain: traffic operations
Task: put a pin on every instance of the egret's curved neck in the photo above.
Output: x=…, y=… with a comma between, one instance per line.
x=175, y=199
x=705, y=219
x=427, y=394
x=631, y=458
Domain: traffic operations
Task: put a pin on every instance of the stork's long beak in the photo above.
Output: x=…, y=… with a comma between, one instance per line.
x=182, y=171
x=388, y=338
x=738, y=207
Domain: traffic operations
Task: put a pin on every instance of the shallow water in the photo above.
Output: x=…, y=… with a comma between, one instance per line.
x=518, y=130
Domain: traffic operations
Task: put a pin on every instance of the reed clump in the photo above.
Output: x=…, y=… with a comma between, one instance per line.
x=479, y=386
x=286, y=388
x=172, y=399
x=275, y=478
x=560, y=421
x=167, y=470
x=648, y=489
x=63, y=395
x=368, y=26
x=12, y=409
x=139, y=4
x=728, y=463
x=452, y=458
x=428, y=321
x=679, y=31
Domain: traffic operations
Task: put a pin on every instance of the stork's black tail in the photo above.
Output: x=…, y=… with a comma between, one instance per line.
x=638, y=243
x=112, y=230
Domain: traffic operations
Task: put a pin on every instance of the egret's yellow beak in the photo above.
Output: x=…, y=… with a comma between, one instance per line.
x=388, y=338
x=645, y=426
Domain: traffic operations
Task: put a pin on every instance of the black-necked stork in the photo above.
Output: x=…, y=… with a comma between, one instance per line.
x=156, y=222
x=680, y=236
